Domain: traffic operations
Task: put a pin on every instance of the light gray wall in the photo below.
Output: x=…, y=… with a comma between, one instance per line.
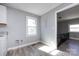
x=17, y=27
x=62, y=27
x=74, y=34
x=70, y=16
x=48, y=27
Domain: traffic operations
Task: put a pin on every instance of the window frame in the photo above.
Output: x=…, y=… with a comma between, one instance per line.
x=29, y=17
x=70, y=28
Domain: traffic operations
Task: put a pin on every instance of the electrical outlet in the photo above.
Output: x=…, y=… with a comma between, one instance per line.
x=17, y=41
x=21, y=41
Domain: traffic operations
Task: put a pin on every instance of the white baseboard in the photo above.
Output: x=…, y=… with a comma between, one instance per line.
x=22, y=45
x=74, y=38
x=49, y=44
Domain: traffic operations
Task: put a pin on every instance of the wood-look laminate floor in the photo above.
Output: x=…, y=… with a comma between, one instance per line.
x=70, y=46
x=28, y=51
x=38, y=49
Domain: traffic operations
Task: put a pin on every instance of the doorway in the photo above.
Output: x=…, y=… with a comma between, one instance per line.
x=68, y=30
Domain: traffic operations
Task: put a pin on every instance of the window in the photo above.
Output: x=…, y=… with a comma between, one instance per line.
x=31, y=26
x=74, y=28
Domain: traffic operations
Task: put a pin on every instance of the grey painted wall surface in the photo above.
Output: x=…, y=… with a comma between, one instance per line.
x=74, y=34
x=70, y=13
x=63, y=27
x=17, y=28
x=70, y=16
x=48, y=27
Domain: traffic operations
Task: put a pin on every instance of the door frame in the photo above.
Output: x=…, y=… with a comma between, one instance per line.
x=60, y=10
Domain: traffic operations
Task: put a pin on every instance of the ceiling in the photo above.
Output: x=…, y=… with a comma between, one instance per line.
x=35, y=8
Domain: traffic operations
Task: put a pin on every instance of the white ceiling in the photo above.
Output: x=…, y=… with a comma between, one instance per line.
x=35, y=8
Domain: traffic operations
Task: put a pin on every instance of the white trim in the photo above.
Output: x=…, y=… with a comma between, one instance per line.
x=50, y=45
x=74, y=38
x=20, y=46
x=67, y=7
x=34, y=18
x=56, y=28
x=44, y=42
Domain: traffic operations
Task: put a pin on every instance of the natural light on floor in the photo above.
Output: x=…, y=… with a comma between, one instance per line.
x=45, y=49
x=49, y=50
x=55, y=52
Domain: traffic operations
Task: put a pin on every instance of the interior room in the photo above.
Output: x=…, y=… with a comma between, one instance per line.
x=68, y=30
x=37, y=29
